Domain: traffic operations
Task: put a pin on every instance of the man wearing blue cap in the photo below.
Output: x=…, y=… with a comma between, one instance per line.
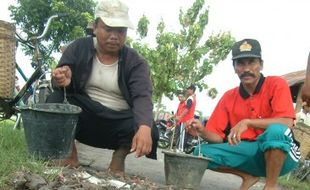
x=249, y=131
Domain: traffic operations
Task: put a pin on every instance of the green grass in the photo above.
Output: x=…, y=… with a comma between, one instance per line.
x=292, y=183
x=14, y=155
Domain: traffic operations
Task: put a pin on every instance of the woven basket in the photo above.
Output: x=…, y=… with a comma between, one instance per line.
x=302, y=134
x=7, y=59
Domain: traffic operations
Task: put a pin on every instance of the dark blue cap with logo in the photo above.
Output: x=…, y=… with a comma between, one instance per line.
x=246, y=48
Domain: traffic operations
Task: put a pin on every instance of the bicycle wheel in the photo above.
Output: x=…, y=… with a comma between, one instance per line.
x=302, y=171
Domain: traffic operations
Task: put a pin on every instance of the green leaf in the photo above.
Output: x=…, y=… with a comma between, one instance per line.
x=31, y=16
x=184, y=57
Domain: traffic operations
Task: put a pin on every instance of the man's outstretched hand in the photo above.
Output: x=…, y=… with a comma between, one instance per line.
x=142, y=141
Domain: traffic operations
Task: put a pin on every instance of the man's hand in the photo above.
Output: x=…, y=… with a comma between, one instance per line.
x=62, y=76
x=195, y=126
x=234, y=136
x=142, y=141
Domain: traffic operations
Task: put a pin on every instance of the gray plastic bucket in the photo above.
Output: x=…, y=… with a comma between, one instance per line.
x=50, y=129
x=183, y=170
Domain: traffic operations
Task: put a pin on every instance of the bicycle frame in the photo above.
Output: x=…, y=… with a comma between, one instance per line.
x=37, y=73
x=7, y=107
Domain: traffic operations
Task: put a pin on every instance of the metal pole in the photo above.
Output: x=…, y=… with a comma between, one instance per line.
x=182, y=137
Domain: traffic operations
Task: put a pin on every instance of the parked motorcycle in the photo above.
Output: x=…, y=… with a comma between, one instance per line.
x=166, y=134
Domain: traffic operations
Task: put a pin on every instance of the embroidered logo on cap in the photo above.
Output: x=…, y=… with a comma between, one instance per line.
x=245, y=47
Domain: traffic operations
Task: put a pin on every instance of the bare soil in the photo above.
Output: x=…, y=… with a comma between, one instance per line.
x=81, y=178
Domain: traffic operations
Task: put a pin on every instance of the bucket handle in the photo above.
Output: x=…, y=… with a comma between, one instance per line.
x=198, y=137
x=65, y=96
x=36, y=85
x=199, y=143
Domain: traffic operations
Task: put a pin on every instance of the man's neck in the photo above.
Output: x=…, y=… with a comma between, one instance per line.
x=250, y=88
x=107, y=57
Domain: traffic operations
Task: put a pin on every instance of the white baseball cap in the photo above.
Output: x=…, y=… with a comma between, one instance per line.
x=113, y=13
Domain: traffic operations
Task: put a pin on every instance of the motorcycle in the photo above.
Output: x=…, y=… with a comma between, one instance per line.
x=166, y=131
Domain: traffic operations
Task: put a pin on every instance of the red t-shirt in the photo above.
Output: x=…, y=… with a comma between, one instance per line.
x=191, y=109
x=271, y=99
x=181, y=107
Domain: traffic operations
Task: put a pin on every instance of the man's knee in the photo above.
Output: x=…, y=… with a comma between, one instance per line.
x=276, y=136
x=276, y=131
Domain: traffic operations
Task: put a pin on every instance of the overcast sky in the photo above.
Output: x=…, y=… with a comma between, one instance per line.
x=281, y=26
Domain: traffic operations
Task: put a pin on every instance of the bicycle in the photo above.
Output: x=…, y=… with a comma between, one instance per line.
x=9, y=107
x=303, y=170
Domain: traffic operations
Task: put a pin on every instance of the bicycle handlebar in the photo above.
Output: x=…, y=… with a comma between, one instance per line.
x=49, y=21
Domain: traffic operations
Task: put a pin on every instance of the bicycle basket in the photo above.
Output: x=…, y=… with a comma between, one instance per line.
x=7, y=60
x=302, y=134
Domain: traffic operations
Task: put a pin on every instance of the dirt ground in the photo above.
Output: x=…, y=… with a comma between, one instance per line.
x=88, y=176
x=82, y=178
x=142, y=174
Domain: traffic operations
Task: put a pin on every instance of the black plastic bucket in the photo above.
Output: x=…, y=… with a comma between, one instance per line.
x=184, y=171
x=50, y=129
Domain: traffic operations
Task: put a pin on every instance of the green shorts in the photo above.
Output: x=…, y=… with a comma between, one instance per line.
x=249, y=156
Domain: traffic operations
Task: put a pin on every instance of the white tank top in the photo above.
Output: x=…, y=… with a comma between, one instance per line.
x=102, y=86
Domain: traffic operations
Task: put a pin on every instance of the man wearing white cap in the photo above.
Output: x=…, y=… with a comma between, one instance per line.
x=111, y=83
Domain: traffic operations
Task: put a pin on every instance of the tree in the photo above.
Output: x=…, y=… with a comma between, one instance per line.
x=31, y=16
x=184, y=57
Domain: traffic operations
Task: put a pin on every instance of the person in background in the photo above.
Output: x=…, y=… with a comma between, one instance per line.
x=90, y=29
x=250, y=129
x=303, y=115
x=111, y=83
x=181, y=107
x=186, y=113
x=17, y=87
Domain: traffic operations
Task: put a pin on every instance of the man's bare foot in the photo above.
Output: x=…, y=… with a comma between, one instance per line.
x=248, y=182
x=116, y=173
x=71, y=163
x=117, y=164
x=270, y=188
